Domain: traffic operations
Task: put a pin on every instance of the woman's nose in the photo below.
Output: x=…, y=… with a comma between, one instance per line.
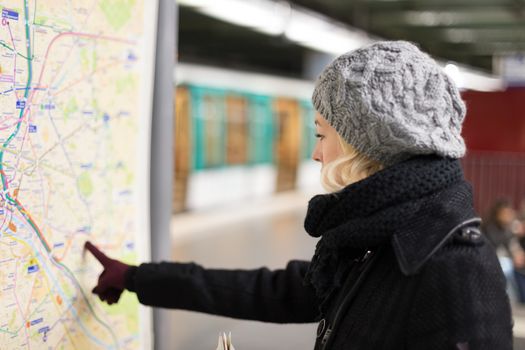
x=316, y=154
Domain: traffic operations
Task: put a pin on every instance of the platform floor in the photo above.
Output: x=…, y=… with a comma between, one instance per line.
x=257, y=233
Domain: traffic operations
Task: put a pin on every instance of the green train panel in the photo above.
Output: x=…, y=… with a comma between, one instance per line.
x=232, y=128
x=208, y=120
x=308, y=139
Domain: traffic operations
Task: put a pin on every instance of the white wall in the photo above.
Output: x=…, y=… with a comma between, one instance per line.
x=209, y=189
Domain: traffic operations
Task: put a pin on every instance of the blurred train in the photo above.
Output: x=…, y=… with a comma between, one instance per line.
x=240, y=135
x=243, y=135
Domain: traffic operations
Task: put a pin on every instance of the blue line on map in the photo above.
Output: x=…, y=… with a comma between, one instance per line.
x=37, y=321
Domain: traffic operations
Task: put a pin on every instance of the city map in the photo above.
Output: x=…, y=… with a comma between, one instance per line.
x=75, y=91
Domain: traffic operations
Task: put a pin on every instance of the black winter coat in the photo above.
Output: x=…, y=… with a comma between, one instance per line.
x=429, y=286
x=391, y=311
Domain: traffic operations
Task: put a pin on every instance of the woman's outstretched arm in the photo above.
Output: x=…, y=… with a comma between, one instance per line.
x=261, y=294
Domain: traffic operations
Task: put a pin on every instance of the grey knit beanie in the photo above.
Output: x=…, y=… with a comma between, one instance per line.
x=390, y=101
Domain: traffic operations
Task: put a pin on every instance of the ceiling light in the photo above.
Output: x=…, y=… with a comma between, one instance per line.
x=453, y=72
x=466, y=78
x=278, y=17
x=319, y=34
x=264, y=16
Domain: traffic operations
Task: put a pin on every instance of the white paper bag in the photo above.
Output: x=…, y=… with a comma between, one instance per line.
x=225, y=342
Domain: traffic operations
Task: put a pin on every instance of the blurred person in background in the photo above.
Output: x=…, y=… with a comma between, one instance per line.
x=521, y=211
x=501, y=228
x=400, y=263
x=504, y=231
x=519, y=226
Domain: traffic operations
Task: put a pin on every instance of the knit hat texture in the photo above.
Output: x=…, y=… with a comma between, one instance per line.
x=390, y=101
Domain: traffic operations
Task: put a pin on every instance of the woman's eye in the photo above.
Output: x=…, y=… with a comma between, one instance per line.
x=319, y=136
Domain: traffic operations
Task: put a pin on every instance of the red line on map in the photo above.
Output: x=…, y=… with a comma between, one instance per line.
x=35, y=226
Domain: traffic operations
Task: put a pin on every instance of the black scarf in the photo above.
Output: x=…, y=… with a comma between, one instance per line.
x=370, y=213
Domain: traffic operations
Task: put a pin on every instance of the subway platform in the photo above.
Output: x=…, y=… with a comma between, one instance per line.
x=263, y=232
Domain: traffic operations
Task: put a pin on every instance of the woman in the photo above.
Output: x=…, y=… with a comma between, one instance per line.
x=501, y=230
x=400, y=263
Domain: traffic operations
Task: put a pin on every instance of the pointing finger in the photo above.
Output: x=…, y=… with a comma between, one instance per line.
x=101, y=257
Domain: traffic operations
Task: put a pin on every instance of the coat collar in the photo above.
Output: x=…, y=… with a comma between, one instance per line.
x=415, y=243
x=411, y=206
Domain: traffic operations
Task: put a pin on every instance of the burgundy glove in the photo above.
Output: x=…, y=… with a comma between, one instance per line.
x=111, y=282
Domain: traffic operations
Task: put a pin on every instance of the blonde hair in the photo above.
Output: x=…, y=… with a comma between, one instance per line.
x=351, y=167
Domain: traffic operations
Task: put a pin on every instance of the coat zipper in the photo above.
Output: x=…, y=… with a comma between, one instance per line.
x=367, y=263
